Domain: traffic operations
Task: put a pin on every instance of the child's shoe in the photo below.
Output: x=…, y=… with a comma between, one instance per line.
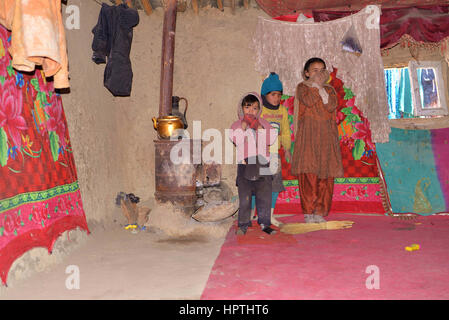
x=268, y=230
x=241, y=231
x=318, y=219
x=274, y=221
x=308, y=218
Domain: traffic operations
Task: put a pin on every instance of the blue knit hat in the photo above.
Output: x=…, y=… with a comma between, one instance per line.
x=272, y=83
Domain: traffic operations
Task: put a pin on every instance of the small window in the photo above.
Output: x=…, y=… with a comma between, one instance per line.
x=416, y=91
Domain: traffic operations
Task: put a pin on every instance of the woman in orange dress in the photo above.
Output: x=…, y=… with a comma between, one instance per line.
x=316, y=156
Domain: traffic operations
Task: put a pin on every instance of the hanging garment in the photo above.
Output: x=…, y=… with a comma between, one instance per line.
x=389, y=90
x=39, y=193
x=405, y=95
x=429, y=88
x=112, y=45
x=37, y=37
x=285, y=47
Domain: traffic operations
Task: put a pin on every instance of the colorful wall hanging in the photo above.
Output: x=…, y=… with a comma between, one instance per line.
x=414, y=163
x=39, y=192
x=360, y=190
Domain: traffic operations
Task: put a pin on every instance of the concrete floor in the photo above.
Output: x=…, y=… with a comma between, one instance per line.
x=116, y=264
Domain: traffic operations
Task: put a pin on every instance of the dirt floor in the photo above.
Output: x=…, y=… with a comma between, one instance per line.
x=117, y=264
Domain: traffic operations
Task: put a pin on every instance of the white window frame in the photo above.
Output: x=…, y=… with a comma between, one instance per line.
x=418, y=110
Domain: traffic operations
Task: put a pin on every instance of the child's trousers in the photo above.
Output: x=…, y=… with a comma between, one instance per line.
x=262, y=191
x=315, y=193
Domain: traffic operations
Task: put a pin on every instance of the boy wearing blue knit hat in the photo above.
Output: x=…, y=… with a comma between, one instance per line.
x=277, y=116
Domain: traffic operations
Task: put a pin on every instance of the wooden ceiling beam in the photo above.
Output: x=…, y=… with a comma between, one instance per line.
x=146, y=6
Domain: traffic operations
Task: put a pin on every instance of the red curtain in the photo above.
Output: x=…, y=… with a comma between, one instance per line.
x=424, y=24
x=277, y=8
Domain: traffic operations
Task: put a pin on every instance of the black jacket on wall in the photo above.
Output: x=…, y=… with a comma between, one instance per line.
x=113, y=36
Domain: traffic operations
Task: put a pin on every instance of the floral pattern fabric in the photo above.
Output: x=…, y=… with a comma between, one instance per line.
x=357, y=147
x=359, y=191
x=39, y=192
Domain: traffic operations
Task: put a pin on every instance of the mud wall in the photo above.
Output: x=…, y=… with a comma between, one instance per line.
x=113, y=137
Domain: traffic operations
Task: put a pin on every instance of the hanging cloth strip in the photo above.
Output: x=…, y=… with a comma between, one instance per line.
x=284, y=47
x=111, y=44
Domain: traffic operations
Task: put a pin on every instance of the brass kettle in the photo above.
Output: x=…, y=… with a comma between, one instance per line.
x=167, y=126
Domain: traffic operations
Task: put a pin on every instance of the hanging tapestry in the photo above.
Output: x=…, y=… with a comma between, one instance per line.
x=284, y=48
x=414, y=163
x=359, y=191
x=39, y=193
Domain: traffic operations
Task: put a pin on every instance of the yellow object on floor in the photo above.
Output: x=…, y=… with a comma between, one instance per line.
x=412, y=247
x=299, y=228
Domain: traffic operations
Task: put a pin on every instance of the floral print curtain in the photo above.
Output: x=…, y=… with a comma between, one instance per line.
x=39, y=192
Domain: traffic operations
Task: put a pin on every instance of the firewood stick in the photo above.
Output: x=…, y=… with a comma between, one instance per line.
x=135, y=212
x=125, y=211
x=246, y=4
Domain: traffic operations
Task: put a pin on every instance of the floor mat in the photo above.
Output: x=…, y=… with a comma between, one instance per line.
x=367, y=261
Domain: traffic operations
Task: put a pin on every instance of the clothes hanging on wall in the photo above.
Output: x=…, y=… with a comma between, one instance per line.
x=111, y=44
x=284, y=47
x=37, y=37
x=405, y=95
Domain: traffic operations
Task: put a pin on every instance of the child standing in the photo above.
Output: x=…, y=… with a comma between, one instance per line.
x=252, y=137
x=316, y=156
x=277, y=116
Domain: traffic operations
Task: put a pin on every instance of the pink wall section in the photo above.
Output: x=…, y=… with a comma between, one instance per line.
x=440, y=147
